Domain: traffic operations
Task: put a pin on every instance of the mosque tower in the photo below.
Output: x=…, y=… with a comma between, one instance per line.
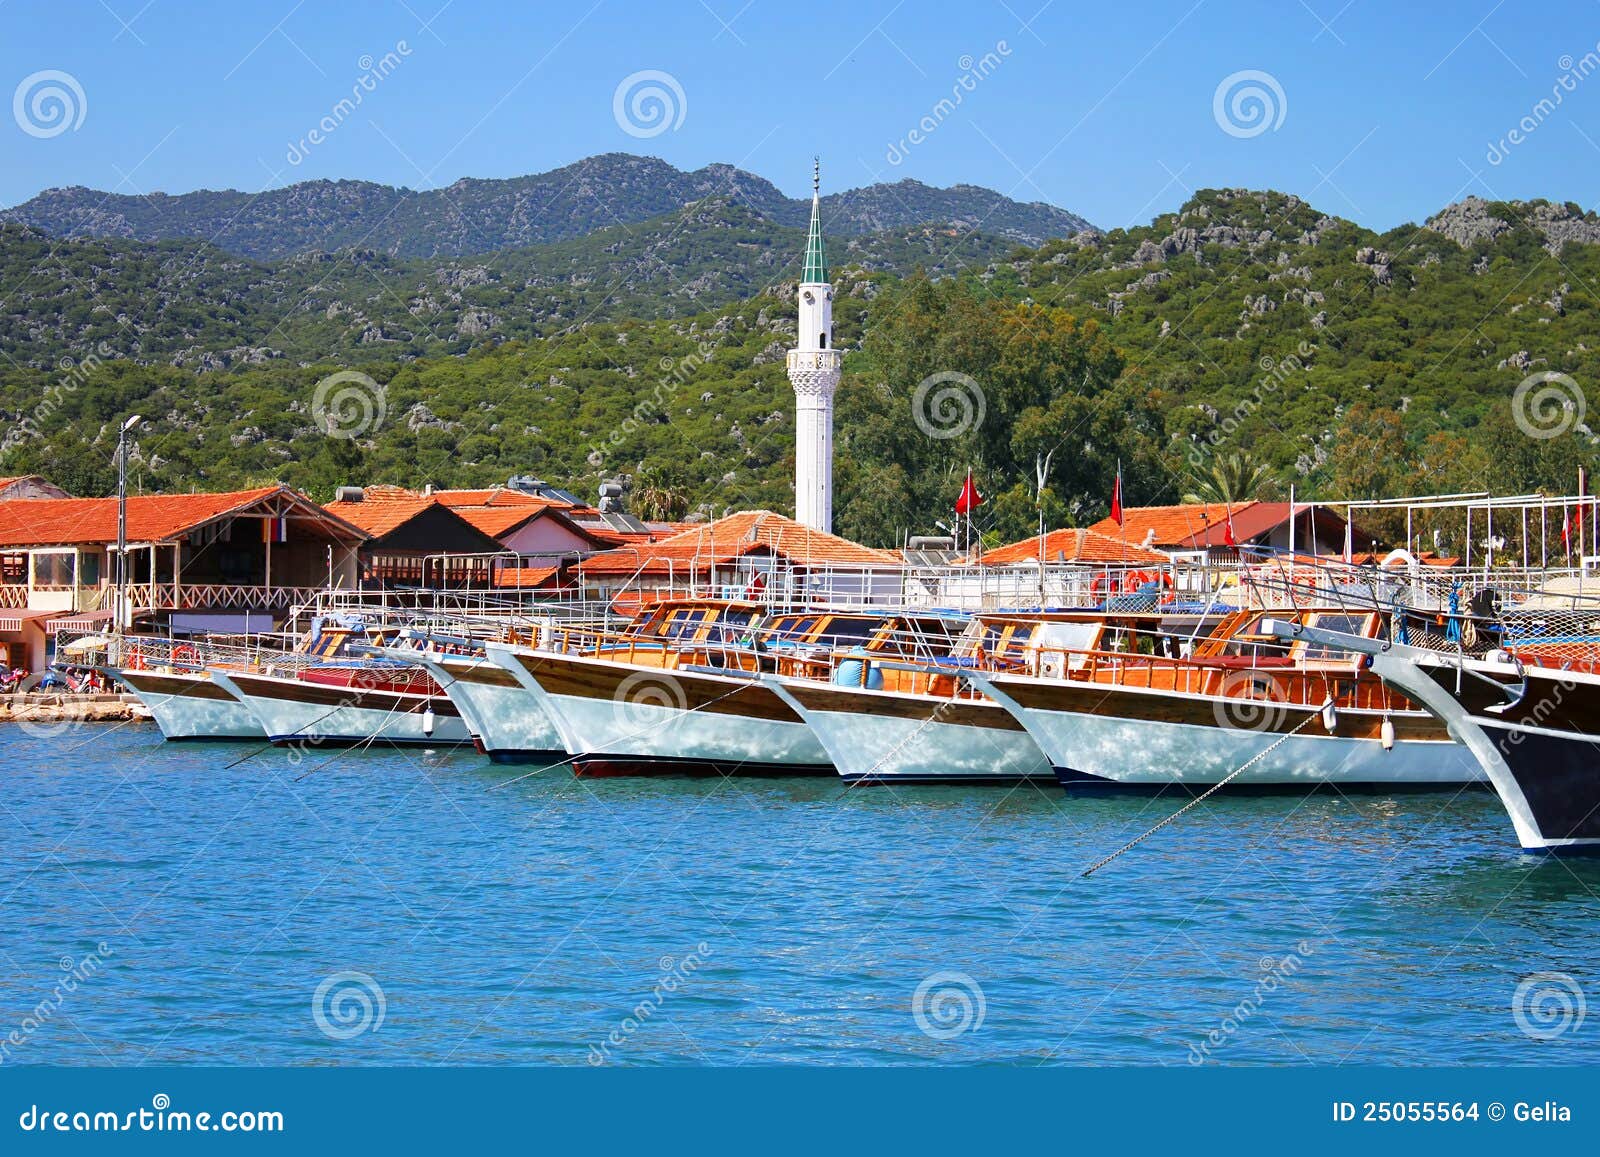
x=814, y=373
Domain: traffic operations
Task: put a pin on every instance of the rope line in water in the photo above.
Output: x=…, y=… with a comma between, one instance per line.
x=1201, y=798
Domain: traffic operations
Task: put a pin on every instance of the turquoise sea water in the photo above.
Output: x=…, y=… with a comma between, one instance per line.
x=405, y=908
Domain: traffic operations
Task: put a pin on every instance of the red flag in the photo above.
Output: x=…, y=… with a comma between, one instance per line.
x=1116, y=500
x=970, y=499
x=1227, y=531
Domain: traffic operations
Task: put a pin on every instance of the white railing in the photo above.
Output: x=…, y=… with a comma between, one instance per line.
x=216, y=596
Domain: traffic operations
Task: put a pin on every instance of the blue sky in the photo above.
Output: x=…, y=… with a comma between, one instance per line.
x=1387, y=110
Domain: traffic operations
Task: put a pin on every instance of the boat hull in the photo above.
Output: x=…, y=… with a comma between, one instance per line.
x=297, y=712
x=616, y=719
x=888, y=737
x=506, y=722
x=188, y=706
x=1538, y=748
x=1102, y=737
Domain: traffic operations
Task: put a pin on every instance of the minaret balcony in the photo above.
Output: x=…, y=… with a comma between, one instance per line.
x=827, y=361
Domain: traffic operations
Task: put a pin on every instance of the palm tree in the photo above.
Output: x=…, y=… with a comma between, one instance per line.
x=1233, y=477
x=658, y=497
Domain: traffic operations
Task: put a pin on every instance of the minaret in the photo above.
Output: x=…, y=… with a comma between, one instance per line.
x=814, y=373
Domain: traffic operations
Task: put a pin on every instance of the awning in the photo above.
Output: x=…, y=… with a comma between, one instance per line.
x=86, y=643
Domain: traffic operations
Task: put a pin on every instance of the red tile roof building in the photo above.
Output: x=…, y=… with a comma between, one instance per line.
x=1089, y=547
x=1198, y=527
x=189, y=555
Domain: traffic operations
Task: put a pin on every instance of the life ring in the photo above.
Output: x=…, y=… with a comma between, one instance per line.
x=1100, y=584
x=1136, y=579
x=183, y=653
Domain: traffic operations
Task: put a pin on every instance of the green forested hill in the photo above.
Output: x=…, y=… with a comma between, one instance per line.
x=1247, y=333
x=192, y=305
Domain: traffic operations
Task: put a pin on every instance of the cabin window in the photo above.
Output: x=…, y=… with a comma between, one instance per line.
x=796, y=628
x=843, y=632
x=1345, y=625
x=1067, y=636
x=730, y=626
x=682, y=623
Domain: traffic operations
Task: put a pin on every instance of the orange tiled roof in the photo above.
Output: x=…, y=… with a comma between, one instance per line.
x=1194, y=525
x=726, y=539
x=1076, y=545
x=85, y=521
x=497, y=520
x=495, y=496
x=382, y=510
x=525, y=577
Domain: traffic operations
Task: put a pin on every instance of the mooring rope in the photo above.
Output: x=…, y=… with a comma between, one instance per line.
x=1199, y=799
x=897, y=748
x=364, y=745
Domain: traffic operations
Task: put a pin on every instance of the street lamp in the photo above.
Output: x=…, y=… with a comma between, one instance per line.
x=122, y=519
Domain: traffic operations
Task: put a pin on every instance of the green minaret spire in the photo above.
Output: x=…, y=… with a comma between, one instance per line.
x=816, y=270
